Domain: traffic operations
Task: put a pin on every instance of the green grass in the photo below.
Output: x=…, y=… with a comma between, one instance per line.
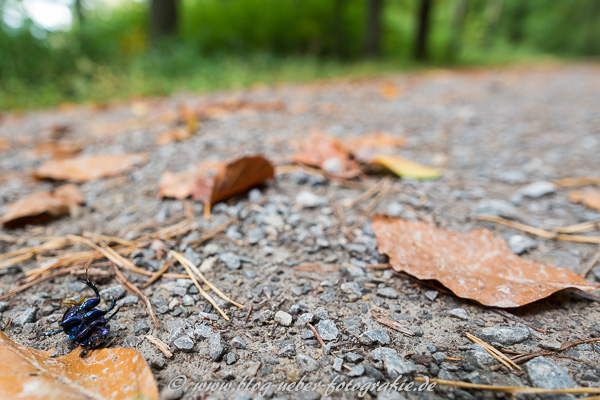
x=153, y=75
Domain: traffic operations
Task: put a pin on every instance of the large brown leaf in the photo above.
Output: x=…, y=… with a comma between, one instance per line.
x=226, y=179
x=177, y=185
x=590, y=198
x=30, y=374
x=88, y=167
x=474, y=265
x=42, y=206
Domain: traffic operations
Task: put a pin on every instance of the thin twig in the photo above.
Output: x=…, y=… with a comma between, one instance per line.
x=538, y=231
x=135, y=290
x=579, y=181
x=160, y=345
x=392, y=324
x=182, y=260
x=159, y=273
x=591, y=264
x=507, y=389
x=340, y=214
x=202, y=291
x=319, y=338
x=578, y=228
x=497, y=354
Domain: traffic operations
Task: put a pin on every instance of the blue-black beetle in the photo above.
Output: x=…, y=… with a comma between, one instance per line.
x=84, y=323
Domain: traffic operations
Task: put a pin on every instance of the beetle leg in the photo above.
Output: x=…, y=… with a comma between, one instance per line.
x=52, y=333
x=112, y=305
x=91, y=303
x=113, y=314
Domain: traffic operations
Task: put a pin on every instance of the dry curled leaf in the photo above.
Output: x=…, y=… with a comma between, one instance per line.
x=590, y=198
x=330, y=155
x=406, y=168
x=474, y=265
x=58, y=149
x=42, y=206
x=177, y=185
x=229, y=178
x=30, y=374
x=88, y=167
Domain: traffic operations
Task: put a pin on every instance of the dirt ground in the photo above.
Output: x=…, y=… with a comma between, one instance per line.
x=493, y=131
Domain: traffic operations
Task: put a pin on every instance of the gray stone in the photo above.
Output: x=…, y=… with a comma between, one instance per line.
x=357, y=370
x=25, y=317
x=238, y=343
x=306, y=363
x=499, y=208
x=459, y=313
x=543, y=373
x=519, y=244
x=431, y=294
x=188, y=300
x=128, y=301
x=375, y=336
x=504, y=335
x=283, y=318
x=289, y=350
x=306, y=318
x=231, y=261
x=550, y=344
x=216, y=349
x=3, y=306
x=310, y=200
x=538, y=189
x=264, y=316
x=202, y=332
x=255, y=235
x=439, y=357
x=478, y=357
x=337, y=364
x=327, y=330
x=179, y=327
x=394, y=365
x=321, y=313
x=353, y=357
x=141, y=328
x=113, y=292
x=388, y=293
x=184, y=343
x=596, y=272
x=395, y=209
x=230, y=358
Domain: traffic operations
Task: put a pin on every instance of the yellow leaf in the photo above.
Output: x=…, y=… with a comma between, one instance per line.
x=30, y=374
x=406, y=168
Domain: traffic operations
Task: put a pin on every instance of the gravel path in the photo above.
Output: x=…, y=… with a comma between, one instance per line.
x=494, y=131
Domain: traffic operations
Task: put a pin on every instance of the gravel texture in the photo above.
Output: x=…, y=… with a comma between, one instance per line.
x=500, y=135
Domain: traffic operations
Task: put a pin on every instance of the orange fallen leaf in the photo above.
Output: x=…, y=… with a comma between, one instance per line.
x=42, y=206
x=330, y=155
x=174, y=135
x=4, y=144
x=88, y=167
x=390, y=92
x=590, y=198
x=226, y=179
x=474, y=265
x=58, y=149
x=178, y=185
x=366, y=147
x=30, y=374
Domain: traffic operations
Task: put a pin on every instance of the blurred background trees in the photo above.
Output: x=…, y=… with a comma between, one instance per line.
x=102, y=49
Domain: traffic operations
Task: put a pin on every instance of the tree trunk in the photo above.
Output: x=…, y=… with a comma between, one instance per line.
x=493, y=10
x=458, y=21
x=421, y=50
x=373, y=31
x=339, y=35
x=79, y=12
x=163, y=18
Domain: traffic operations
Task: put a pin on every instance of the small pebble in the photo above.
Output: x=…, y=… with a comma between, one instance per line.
x=459, y=313
x=327, y=330
x=283, y=318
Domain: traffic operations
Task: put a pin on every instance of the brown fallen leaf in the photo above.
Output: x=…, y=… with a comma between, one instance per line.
x=590, y=198
x=226, y=179
x=42, y=206
x=177, y=185
x=30, y=374
x=330, y=155
x=58, y=149
x=474, y=265
x=4, y=144
x=88, y=167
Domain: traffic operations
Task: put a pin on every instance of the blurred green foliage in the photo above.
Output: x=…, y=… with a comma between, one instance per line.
x=236, y=43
